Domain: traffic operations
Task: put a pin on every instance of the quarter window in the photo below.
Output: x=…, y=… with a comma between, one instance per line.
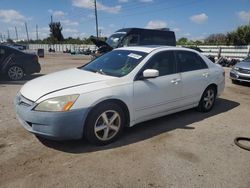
x=189, y=61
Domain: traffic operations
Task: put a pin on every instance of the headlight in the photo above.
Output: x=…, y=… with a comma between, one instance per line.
x=236, y=68
x=57, y=104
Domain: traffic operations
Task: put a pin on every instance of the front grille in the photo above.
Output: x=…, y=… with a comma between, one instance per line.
x=244, y=71
x=243, y=78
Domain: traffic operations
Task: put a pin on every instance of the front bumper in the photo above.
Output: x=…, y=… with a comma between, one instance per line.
x=235, y=75
x=53, y=125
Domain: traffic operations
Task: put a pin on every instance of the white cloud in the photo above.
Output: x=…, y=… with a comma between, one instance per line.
x=88, y=4
x=187, y=34
x=122, y=1
x=176, y=29
x=244, y=15
x=70, y=22
x=199, y=18
x=156, y=24
x=146, y=1
x=57, y=13
x=11, y=16
x=70, y=30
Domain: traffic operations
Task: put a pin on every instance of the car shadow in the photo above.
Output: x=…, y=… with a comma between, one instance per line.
x=247, y=84
x=25, y=79
x=145, y=130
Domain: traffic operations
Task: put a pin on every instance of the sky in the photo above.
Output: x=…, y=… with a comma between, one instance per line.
x=193, y=19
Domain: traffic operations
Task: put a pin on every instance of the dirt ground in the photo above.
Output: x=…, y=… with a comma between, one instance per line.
x=186, y=149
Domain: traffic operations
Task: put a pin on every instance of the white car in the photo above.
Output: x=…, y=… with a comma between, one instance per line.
x=121, y=88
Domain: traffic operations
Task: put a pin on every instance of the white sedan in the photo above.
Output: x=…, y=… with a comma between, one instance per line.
x=121, y=88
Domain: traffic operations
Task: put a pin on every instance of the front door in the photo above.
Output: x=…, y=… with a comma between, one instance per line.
x=158, y=95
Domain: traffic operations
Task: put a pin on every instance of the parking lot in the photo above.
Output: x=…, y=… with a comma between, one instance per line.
x=186, y=149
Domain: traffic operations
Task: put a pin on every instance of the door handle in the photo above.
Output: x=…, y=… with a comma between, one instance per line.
x=175, y=81
x=205, y=74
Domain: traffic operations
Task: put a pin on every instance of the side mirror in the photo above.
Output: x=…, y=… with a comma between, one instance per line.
x=150, y=73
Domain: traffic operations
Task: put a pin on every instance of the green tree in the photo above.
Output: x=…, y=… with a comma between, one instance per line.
x=241, y=36
x=56, y=32
x=217, y=39
x=182, y=41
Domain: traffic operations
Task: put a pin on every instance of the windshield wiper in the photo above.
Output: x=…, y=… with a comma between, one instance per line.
x=101, y=72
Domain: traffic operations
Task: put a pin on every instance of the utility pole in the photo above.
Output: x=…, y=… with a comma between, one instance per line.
x=8, y=34
x=36, y=32
x=1, y=36
x=96, y=20
x=16, y=33
x=51, y=19
x=28, y=39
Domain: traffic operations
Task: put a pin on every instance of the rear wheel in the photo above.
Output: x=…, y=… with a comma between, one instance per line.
x=104, y=124
x=15, y=73
x=207, y=100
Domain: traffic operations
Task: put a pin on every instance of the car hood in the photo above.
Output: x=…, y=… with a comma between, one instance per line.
x=100, y=43
x=39, y=87
x=243, y=65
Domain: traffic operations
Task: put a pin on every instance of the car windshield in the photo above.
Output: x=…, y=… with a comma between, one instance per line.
x=114, y=39
x=247, y=59
x=116, y=63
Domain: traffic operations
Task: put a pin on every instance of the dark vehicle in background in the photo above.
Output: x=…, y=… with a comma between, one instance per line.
x=15, y=45
x=19, y=46
x=15, y=63
x=241, y=71
x=135, y=37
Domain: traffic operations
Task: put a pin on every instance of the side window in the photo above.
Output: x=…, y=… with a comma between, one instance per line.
x=2, y=52
x=189, y=61
x=133, y=40
x=164, y=62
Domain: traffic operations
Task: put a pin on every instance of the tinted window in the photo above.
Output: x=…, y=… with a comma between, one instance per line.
x=189, y=61
x=116, y=63
x=130, y=40
x=2, y=52
x=157, y=38
x=247, y=59
x=164, y=62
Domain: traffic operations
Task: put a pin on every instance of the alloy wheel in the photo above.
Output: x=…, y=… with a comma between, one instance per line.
x=15, y=73
x=107, y=125
x=209, y=99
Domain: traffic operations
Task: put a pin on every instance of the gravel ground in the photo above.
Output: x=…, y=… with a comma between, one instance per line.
x=186, y=149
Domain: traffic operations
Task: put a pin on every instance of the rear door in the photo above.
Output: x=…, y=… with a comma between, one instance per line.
x=194, y=75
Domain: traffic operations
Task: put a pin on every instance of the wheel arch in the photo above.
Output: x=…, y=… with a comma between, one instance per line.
x=213, y=85
x=119, y=102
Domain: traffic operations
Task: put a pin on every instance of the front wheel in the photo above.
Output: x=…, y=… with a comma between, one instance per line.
x=104, y=124
x=207, y=100
x=15, y=73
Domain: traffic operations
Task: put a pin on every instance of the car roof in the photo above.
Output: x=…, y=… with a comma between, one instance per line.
x=150, y=48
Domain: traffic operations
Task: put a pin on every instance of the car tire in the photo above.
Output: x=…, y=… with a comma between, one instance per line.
x=15, y=72
x=104, y=124
x=207, y=100
x=235, y=81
